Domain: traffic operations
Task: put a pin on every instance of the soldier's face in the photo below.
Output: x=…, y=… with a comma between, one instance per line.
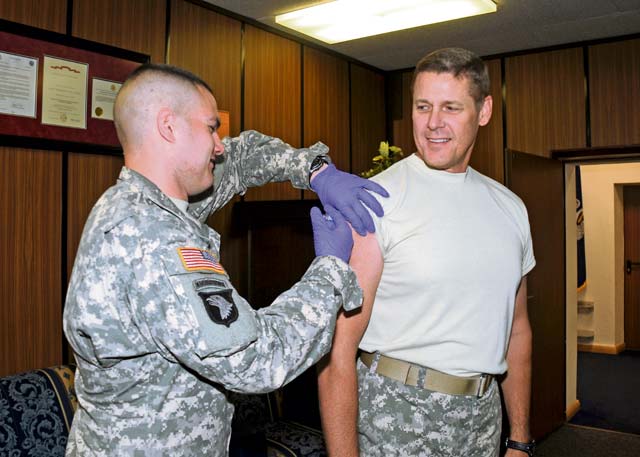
x=201, y=144
x=446, y=120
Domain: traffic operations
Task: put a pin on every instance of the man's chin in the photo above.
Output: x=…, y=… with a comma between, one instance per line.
x=431, y=162
x=202, y=192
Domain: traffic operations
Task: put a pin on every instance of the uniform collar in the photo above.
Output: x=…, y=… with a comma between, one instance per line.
x=141, y=184
x=198, y=210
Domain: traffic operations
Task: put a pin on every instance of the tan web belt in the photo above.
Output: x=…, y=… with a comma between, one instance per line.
x=437, y=381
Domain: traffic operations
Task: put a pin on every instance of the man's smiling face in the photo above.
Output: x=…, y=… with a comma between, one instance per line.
x=446, y=119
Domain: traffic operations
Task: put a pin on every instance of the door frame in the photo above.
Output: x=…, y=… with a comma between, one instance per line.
x=571, y=158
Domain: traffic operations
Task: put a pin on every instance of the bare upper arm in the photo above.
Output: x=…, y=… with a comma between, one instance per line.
x=520, y=313
x=367, y=263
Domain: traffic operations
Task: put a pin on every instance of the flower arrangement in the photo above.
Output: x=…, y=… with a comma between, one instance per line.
x=387, y=156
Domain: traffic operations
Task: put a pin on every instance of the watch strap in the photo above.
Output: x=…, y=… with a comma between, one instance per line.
x=529, y=448
x=316, y=164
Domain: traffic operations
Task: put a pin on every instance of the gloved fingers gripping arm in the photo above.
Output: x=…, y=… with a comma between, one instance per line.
x=331, y=234
x=370, y=200
x=349, y=194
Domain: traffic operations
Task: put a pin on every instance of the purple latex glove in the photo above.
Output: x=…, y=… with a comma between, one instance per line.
x=348, y=194
x=331, y=233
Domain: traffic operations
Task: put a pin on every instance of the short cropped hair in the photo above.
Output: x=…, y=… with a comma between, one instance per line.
x=152, y=85
x=461, y=63
x=169, y=71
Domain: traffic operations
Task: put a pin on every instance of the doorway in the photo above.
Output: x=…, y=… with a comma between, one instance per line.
x=631, y=204
x=605, y=368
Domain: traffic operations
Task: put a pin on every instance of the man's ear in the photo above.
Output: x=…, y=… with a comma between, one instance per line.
x=485, y=111
x=166, y=124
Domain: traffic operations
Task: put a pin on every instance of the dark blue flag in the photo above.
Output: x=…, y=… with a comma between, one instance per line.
x=582, y=263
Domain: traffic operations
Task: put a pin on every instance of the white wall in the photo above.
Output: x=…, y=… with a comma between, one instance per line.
x=604, y=242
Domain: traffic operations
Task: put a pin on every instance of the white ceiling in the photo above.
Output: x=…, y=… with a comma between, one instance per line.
x=518, y=25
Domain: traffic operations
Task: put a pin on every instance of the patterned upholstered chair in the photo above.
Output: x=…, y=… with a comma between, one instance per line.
x=36, y=410
x=288, y=438
x=259, y=429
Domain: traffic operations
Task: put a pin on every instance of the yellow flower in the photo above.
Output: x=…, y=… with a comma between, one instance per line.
x=384, y=149
x=387, y=156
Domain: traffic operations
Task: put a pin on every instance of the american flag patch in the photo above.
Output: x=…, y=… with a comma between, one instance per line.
x=195, y=259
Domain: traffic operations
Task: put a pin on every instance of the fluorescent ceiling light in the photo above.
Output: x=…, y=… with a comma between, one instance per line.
x=344, y=20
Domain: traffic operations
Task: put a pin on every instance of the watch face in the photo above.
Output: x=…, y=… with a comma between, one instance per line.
x=317, y=163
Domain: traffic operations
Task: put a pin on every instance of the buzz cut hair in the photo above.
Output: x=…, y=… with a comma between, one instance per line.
x=168, y=71
x=461, y=63
x=149, y=85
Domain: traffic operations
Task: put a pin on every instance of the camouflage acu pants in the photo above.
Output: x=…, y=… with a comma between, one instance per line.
x=399, y=420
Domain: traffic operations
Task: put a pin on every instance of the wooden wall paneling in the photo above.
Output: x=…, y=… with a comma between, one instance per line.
x=233, y=246
x=270, y=224
x=403, y=127
x=368, y=121
x=30, y=283
x=488, y=152
x=272, y=94
x=135, y=25
x=88, y=176
x=44, y=14
x=209, y=45
x=326, y=105
x=278, y=229
x=545, y=97
x=614, y=86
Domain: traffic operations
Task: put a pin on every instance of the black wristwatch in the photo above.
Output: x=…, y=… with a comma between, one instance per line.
x=317, y=164
x=529, y=448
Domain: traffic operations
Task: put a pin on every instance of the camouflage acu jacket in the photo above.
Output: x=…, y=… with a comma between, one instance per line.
x=159, y=332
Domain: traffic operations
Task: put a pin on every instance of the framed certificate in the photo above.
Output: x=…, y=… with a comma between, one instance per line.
x=18, y=85
x=57, y=92
x=103, y=97
x=64, y=93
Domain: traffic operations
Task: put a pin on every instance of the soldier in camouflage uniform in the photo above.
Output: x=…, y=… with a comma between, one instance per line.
x=158, y=330
x=445, y=296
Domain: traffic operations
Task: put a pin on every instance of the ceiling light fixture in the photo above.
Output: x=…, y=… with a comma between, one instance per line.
x=344, y=20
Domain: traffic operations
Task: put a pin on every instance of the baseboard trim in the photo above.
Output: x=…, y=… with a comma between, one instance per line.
x=612, y=349
x=572, y=409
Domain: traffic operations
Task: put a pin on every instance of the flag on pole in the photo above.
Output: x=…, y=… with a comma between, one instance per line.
x=582, y=263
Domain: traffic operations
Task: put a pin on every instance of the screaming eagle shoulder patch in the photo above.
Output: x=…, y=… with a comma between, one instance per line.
x=217, y=300
x=194, y=259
